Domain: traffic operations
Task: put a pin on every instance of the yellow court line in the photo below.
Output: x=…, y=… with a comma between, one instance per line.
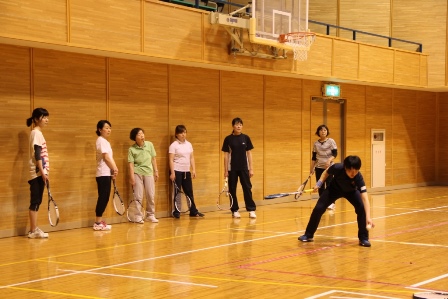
x=55, y=293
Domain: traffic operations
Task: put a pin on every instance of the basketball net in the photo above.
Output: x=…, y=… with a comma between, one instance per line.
x=300, y=43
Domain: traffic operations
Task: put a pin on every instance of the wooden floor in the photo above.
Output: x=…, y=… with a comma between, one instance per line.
x=219, y=257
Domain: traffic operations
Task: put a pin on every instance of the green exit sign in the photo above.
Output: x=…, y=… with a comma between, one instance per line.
x=331, y=90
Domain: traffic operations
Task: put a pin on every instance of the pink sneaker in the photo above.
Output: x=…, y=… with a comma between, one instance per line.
x=101, y=226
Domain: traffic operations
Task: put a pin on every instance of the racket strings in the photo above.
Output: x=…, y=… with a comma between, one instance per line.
x=118, y=204
x=135, y=211
x=53, y=213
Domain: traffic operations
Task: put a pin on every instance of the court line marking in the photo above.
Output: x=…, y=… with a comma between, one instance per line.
x=197, y=250
x=430, y=280
x=351, y=293
x=145, y=278
x=56, y=293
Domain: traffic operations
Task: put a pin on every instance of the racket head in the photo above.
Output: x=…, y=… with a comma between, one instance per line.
x=182, y=202
x=118, y=204
x=53, y=212
x=300, y=190
x=430, y=295
x=135, y=212
x=225, y=200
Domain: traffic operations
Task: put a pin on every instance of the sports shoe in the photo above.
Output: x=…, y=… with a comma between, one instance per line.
x=364, y=243
x=151, y=218
x=304, y=238
x=332, y=207
x=176, y=214
x=236, y=214
x=101, y=226
x=37, y=234
x=252, y=214
x=198, y=214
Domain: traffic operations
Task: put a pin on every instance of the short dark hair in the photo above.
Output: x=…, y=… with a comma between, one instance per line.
x=352, y=162
x=134, y=133
x=36, y=115
x=180, y=129
x=101, y=125
x=320, y=127
x=237, y=120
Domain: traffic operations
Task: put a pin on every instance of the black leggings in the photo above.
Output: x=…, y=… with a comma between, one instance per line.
x=104, y=184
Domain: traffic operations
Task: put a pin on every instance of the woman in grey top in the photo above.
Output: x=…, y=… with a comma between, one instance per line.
x=325, y=151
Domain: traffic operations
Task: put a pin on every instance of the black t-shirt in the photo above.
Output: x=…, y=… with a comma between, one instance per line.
x=237, y=145
x=342, y=183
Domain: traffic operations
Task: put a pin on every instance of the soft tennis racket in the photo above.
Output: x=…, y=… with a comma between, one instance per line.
x=430, y=295
x=118, y=202
x=135, y=212
x=53, y=211
x=182, y=202
x=225, y=199
x=302, y=187
x=278, y=195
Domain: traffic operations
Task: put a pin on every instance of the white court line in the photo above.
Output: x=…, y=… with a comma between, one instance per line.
x=193, y=251
x=430, y=280
x=145, y=278
x=351, y=293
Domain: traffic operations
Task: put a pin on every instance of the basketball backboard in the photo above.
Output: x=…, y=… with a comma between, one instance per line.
x=275, y=17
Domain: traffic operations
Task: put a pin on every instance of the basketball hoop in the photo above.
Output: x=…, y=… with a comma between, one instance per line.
x=300, y=43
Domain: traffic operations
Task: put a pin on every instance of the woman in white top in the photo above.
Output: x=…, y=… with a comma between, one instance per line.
x=325, y=151
x=181, y=162
x=39, y=168
x=106, y=170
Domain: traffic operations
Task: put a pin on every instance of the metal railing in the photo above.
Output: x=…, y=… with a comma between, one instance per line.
x=355, y=32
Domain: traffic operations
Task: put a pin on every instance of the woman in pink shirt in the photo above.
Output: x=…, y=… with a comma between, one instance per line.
x=181, y=162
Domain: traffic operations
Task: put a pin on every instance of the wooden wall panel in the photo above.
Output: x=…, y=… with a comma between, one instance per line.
x=242, y=96
x=282, y=135
x=319, y=58
x=403, y=137
x=442, y=141
x=310, y=121
x=424, y=70
x=106, y=24
x=325, y=11
x=34, y=19
x=375, y=64
x=144, y=30
x=406, y=68
x=14, y=135
x=425, y=134
x=138, y=96
x=379, y=111
x=173, y=31
x=355, y=124
x=353, y=15
x=72, y=87
x=426, y=24
x=345, y=59
x=195, y=103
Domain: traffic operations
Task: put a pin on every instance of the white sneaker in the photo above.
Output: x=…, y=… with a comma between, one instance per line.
x=152, y=218
x=332, y=207
x=37, y=234
x=101, y=226
x=252, y=214
x=236, y=214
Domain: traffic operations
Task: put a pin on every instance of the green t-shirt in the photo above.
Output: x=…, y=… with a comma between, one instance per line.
x=142, y=158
